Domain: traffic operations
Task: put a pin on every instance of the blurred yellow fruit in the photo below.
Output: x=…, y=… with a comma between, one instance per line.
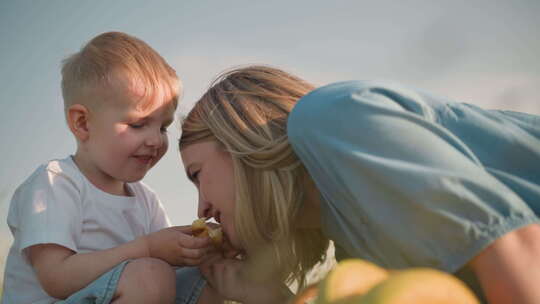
x=356, y=281
x=350, y=278
x=419, y=286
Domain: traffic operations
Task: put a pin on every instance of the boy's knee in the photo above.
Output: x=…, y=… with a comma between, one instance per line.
x=148, y=278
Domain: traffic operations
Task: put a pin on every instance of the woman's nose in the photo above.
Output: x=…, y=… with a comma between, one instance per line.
x=204, y=209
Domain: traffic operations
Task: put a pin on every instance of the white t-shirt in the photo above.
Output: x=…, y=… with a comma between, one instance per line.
x=57, y=204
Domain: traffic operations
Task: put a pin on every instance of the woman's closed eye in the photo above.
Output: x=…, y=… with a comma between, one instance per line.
x=193, y=176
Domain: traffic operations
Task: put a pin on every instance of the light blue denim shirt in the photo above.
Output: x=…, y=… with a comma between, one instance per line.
x=408, y=179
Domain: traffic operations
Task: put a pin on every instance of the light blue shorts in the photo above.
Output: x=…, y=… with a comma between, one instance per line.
x=189, y=285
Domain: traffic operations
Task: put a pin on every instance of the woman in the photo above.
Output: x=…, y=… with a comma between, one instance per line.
x=391, y=175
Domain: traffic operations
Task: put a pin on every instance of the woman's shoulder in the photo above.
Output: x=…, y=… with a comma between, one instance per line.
x=324, y=98
x=327, y=94
x=346, y=101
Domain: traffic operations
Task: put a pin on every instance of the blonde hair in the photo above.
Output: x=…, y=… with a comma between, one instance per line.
x=246, y=110
x=113, y=54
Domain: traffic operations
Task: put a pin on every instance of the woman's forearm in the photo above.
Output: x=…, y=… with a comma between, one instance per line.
x=509, y=269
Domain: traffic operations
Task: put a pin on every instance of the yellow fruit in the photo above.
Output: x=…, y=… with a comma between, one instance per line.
x=202, y=233
x=350, y=278
x=199, y=224
x=357, y=281
x=216, y=235
x=200, y=229
x=419, y=286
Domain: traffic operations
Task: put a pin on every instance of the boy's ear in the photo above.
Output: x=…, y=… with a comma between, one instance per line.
x=77, y=119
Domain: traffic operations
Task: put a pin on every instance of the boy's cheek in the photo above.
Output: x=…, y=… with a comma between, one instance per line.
x=162, y=152
x=165, y=143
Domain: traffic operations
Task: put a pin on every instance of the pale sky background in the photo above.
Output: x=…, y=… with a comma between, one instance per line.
x=480, y=52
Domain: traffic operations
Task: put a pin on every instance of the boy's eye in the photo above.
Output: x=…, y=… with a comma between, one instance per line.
x=163, y=129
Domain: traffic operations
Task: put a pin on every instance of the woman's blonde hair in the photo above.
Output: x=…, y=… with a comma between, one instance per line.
x=246, y=111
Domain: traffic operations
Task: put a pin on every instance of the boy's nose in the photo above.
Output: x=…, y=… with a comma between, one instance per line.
x=155, y=139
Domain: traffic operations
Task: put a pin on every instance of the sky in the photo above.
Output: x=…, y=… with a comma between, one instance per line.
x=479, y=52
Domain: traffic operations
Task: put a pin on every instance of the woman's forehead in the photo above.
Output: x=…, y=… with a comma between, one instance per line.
x=198, y=151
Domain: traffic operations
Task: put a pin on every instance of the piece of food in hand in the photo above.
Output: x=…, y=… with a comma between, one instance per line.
x=216, y=235
x=201, y=229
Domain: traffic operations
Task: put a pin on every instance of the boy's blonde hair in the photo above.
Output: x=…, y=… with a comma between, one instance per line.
x=109, y=56
x=246, y=110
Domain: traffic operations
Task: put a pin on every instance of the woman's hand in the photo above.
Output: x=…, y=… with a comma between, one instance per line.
x=509, y=269
x=227, y=277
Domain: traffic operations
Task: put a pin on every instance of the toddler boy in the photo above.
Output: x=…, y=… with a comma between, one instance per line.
x=86, y=230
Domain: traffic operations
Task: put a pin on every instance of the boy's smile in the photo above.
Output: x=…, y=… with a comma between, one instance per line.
x=145, y=159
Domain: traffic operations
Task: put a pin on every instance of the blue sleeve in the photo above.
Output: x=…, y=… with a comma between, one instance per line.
x=398, y=188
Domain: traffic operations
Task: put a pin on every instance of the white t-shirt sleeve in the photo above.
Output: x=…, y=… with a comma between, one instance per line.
x=49, y=211
x=160, y=220
x=158, y=217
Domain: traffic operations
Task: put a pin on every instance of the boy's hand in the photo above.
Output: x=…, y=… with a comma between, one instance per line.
x=177, y=246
